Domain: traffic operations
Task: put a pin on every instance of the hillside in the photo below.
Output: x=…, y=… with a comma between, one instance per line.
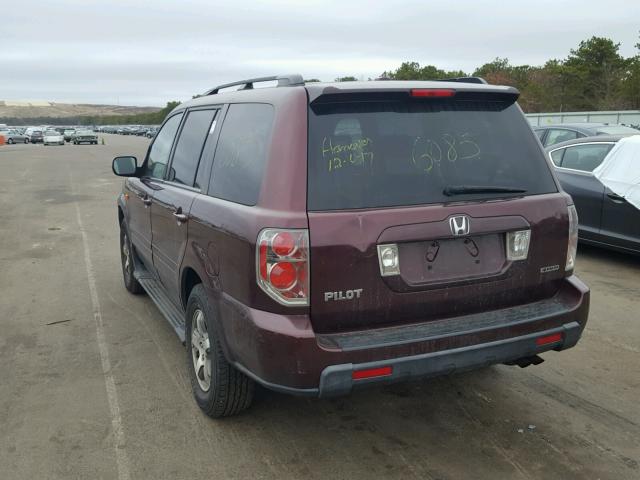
x=37, y=109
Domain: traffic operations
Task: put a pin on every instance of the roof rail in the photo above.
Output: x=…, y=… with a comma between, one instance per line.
x=464, y=80
x=290, y=80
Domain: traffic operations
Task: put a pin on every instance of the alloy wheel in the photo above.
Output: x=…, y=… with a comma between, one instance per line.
x=200, y=349
x=126, y=254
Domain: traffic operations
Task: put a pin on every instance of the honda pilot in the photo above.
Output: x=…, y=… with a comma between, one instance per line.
x=317, y=239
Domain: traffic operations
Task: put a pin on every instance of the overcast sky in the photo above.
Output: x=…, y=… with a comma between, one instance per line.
x=140, y=52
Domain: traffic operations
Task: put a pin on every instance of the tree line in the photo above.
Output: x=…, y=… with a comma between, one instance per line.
x=594, y=76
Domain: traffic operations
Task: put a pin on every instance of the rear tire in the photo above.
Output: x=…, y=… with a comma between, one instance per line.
x=128, y=263
x=26, y=140
x=10, y=141
x=220, y=390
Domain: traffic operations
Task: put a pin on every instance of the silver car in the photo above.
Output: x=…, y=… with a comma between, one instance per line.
x=13, y=136
x=52, y=137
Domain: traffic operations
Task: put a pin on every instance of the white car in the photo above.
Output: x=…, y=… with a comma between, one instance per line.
x=52, y=137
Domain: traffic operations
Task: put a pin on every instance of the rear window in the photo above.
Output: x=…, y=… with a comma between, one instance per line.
x=559, y=135
x=385, y=154
x=241, y=154
x=585, y=157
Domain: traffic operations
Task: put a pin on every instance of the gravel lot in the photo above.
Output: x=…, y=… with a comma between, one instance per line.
x=93, y=382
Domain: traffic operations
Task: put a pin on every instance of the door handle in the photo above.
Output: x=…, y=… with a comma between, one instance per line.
x=147, y=201
x=180, y=217
x=616, y=198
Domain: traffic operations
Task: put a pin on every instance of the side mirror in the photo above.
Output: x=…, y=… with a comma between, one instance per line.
x=125, y=166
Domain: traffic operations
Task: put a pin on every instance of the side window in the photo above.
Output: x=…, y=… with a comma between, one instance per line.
x=189, y=146
x=585, y=157
x=161, y=148
x=557, y=135
x=539, y=133
x=241, y=155
x=556, y=156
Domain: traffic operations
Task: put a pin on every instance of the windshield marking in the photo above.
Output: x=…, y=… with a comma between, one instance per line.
x=343, y=155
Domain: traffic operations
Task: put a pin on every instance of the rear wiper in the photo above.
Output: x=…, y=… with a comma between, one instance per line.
x=462, y=189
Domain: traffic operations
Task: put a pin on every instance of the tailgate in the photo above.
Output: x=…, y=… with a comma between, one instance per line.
x=440, y=275
x=442, y=174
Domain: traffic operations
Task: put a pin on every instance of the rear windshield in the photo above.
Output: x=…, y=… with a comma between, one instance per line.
x=385, y=154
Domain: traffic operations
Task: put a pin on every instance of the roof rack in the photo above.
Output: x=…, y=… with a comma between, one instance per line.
x=290, y=80
x=464, y=80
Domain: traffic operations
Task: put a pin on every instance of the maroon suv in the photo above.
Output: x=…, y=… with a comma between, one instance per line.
x=322, y=238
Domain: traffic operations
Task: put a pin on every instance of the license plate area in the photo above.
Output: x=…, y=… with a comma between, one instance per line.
x=452, y=259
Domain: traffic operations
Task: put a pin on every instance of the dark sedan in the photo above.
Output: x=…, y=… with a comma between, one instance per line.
x=36, y=136
x=85, y=136
x=605, y=219
x=552, y=134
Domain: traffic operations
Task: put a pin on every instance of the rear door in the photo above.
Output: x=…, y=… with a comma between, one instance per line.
x=443, y=181
x=574, y=167
x=173, y=198
x=141, y=190
x=620, y=222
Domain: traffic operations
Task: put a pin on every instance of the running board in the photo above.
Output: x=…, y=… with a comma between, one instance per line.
x=156, y=292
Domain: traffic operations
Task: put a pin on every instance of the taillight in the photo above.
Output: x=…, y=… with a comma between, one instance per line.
x=572, y=249
x=432, y=92
x=282, y=265
x=283, y=243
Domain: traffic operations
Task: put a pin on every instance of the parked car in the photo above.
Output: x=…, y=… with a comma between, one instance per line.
x=85, y=136
x=52, y=137
x=606, y=218
x=322, y=238
x=35, y=136
x=69, y=134
x=151, y=132
x=562, y=132
x=13, y=136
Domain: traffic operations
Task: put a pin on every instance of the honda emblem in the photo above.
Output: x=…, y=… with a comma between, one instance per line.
x=459, y=225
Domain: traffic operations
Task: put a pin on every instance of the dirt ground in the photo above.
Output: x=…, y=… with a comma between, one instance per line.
x=93, y=380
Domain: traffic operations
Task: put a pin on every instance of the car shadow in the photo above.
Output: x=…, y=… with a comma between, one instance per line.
x=488, y=423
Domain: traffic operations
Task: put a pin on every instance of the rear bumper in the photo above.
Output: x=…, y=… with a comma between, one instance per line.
x=338, y=379
x=284, y=354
